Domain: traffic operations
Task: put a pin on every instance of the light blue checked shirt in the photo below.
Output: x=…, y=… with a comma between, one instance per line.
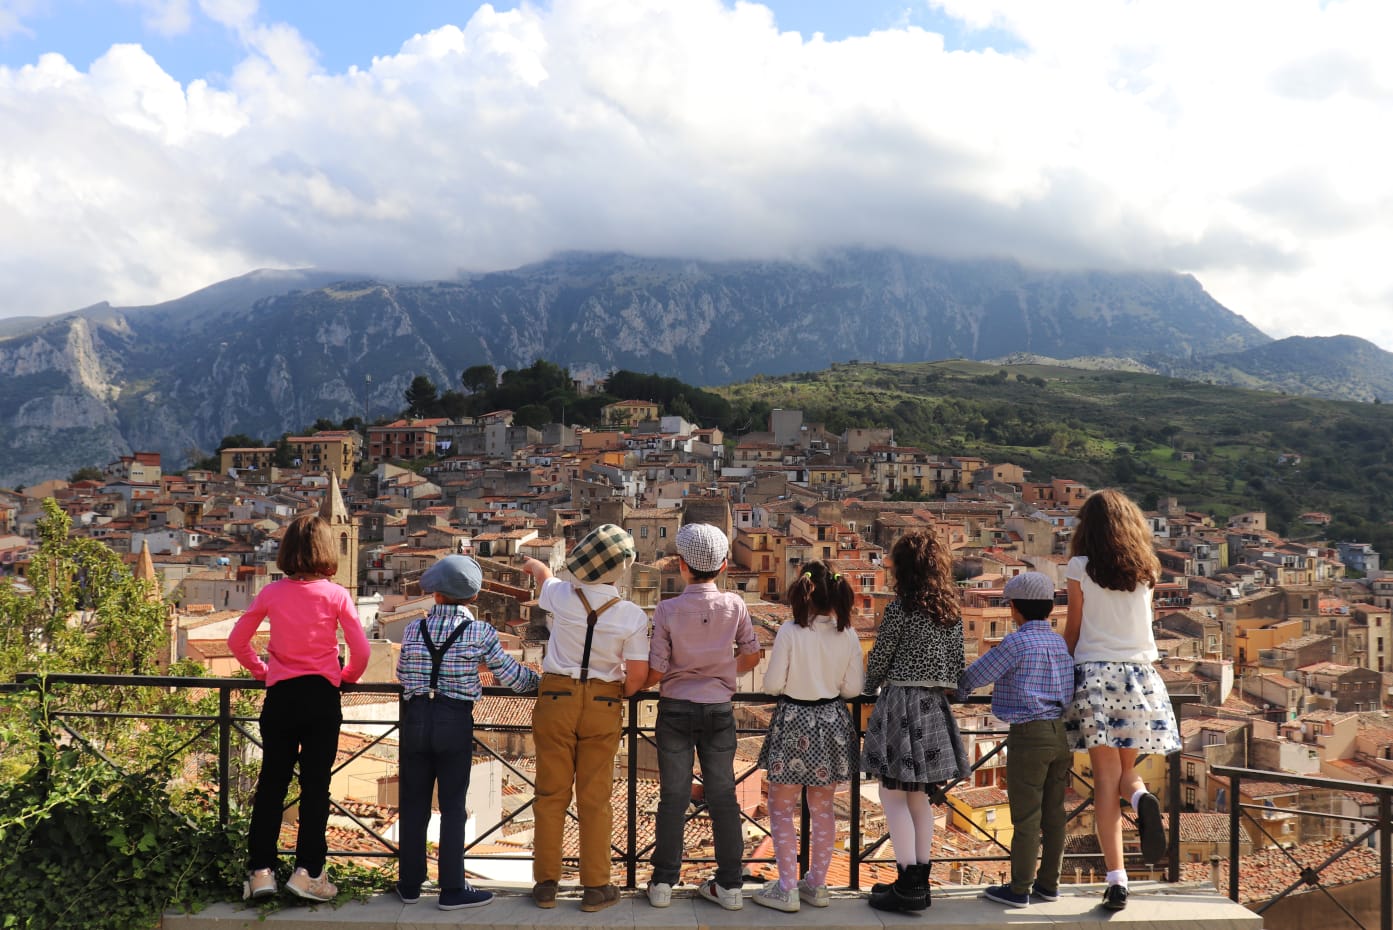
x=459, y=667
x=1033, y=672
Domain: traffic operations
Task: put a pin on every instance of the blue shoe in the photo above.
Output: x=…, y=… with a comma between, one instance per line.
x=1044, y=894
x=1002, y=894
x=453, y=899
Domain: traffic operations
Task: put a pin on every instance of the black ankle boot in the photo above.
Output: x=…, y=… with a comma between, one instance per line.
x=909, y=892
x=881, y=886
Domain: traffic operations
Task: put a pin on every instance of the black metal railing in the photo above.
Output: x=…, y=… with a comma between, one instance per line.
x=225, y=726
x=1379, y=827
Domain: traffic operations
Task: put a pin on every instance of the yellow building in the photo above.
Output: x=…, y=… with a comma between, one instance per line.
x=626, y=413
x=246, y=459
x=334, y=451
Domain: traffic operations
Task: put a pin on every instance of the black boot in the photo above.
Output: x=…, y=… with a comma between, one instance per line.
x=881, y=886
x=909, y=892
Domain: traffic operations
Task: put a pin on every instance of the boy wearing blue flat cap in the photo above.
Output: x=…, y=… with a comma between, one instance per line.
x=439, y=673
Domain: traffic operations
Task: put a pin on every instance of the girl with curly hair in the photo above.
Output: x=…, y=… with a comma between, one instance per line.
x=912, y=742
x=1120, y=706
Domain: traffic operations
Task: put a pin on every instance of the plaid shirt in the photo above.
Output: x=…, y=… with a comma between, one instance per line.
x=459, y=667
x=1033, y=671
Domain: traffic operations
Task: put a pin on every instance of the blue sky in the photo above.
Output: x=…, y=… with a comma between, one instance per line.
x=349, y=33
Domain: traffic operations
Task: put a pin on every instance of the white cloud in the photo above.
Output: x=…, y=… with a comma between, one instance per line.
x=1245, y=142
x=13, y=13
x=164, y=17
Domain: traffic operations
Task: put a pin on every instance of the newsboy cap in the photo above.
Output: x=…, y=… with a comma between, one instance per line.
x=1029, y=586
x=602, y=555
x=702, y=546
x=458, y=577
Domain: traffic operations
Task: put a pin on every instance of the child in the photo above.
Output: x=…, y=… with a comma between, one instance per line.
x=439, y=674
x=1034, y=682
x=702, y=641
x=811, y=745
x=1120, y=705
x=301, y=714
x=597, y=656
x=912, y=743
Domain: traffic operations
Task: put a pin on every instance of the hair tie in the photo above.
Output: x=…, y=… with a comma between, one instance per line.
x=837, y=576
x=808, y=575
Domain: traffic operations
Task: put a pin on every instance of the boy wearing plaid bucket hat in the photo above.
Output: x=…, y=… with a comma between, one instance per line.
x=703, y=641
x=597, y=655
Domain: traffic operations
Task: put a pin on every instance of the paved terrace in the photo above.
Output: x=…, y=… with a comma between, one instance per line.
x=1152, y=905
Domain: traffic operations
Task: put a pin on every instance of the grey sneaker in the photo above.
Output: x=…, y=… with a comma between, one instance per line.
x=816, y=895
x=659, y=894
x=728, y=898
x=776, y=896
x=304, y=885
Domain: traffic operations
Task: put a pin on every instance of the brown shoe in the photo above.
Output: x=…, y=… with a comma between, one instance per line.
x=544, y=893
x=599, y=898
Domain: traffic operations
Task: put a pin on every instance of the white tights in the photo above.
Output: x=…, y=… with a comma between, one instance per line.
x=910, y=818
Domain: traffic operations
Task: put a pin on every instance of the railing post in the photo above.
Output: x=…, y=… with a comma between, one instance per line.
x=854, y=837
x=1173, y=802
x=631, y=848
x=1234, y=827
x=1385, y=855
x=803, y=819
x=224, y=754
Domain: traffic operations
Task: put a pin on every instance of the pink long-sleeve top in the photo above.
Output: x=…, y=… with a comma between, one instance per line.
x=305, y=619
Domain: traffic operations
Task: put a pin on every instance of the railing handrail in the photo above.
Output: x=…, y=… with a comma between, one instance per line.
x=1305, y=781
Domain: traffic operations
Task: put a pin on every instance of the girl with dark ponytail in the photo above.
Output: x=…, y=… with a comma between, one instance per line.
x=814, y=666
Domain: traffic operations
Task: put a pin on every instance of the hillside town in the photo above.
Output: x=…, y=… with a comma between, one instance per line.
x=1282, y=646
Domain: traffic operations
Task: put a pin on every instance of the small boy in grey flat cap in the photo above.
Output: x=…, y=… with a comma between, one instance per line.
x=439, y=674
x=597, y=656
x=1033, y=675
x=703, y=641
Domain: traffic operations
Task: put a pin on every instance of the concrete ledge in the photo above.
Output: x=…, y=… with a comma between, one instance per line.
x=958, y=908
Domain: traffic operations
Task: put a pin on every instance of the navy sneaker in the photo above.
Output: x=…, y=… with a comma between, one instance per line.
x=1044, y=894
x=1115, y=898
x=1152, y=830
x=1002, y=894
x=452, y=899
x=407, y=895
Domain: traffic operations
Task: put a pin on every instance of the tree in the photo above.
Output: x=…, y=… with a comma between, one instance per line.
x=454, y=405
x=422, y=398
x=85, y=473
x=479, y=378
x=239, y=441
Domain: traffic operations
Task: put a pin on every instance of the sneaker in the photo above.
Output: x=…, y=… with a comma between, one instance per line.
x=1044, y=894
x=659, y=894
x=304, y=885
x=1115, y=898
x=598, y=898
x=544, y=893
x=778, y=897
x=259, y=885
x=405, y=895
x=453, y=899
x=816, y=895
x=728, y=898
x=1152, y=830
x=1002, y=894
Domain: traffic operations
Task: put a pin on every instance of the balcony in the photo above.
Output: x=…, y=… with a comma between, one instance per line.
x=223, y=740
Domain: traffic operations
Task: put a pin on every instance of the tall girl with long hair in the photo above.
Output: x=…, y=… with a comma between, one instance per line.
x=814, y=666
x=1120, y=707
x=912, y=742
x=301, y=714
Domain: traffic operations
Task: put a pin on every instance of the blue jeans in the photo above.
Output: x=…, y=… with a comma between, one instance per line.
x=437, y=750
x=708, y=730
x=299, y=722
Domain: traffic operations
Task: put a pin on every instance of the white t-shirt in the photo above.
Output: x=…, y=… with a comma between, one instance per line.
x=1116, y=625
x=621, y=632
x=815, y=662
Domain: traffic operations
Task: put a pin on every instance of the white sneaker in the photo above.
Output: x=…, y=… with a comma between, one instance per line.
x=659, y=894
x=776, y=896
x=728, y=898
x=816, y=895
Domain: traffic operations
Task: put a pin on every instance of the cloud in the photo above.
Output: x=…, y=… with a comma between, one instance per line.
x=13, y=13
x=164, y=17
x=1245, y=142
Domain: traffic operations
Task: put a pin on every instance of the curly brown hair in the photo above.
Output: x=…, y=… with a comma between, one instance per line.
x=818, y=591
x=924, y=576
x=1112, y=532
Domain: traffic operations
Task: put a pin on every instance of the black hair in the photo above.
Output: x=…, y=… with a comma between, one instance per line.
x=819, y=590
x=1032, y=609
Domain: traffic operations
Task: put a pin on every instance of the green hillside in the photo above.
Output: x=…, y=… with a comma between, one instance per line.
x=1136, y=431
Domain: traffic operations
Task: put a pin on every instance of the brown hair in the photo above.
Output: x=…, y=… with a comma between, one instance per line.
x=1112, y=532
x=307, y=548
x=817, y=591
x=924, y=576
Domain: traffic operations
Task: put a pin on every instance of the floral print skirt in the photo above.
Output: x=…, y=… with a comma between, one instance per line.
x=1124, y=705
x=809, y=744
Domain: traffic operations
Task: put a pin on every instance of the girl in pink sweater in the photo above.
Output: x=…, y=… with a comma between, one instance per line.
x=301, y=714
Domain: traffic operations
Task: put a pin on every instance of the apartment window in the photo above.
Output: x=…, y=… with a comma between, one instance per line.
x=662, y=532
x=991, y=816
x=1190, y=797
x=643, y=532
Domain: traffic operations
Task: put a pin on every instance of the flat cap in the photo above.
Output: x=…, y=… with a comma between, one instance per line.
x=602, y=555
x=1029, y=586
x=702, y=546
x=458, y=577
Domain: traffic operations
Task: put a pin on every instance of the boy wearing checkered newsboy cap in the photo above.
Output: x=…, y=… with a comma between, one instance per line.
x=1032, y=675
x=703, y=640
x=596, y=656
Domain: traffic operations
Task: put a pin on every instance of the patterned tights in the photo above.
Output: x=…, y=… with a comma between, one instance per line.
x=910, y=817
x=783, y=808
